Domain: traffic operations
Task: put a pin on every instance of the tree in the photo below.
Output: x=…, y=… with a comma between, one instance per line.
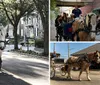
x=14, y=10
x=43, y=9
x=3, y=19
x=52, y=4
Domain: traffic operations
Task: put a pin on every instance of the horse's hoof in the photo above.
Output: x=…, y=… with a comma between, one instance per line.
x=80, y=79
x=89, y=79
x=69, y=77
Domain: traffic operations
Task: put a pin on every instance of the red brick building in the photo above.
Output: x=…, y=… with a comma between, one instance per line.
x=88, y=8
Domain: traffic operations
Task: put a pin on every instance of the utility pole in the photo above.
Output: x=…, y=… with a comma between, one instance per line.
x=68, y=51
x=54, y=48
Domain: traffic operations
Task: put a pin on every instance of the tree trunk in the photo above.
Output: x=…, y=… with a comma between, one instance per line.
x=46, y=41
x=15, y=38
x=46, y=33
x=44, y=17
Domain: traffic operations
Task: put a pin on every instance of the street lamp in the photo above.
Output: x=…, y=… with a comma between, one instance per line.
x=27, y=38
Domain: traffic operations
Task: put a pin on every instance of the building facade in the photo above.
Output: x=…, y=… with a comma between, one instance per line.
x=29, y=26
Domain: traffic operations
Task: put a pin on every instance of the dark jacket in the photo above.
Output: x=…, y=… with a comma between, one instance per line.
x=76, y=12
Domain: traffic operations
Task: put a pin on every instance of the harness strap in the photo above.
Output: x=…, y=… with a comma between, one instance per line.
x=76, y=33
x=81, y=58
x=93, y=31
x=2, y=41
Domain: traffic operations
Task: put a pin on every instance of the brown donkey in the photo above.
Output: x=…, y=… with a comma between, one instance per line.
x=83, y=62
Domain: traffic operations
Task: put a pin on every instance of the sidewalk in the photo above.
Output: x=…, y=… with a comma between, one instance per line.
x=6, y=79
x=32, y=48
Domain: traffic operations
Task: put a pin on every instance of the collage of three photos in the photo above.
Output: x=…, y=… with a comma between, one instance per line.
x=49, y=42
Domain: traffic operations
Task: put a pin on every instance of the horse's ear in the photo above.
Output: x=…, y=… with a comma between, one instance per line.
x=96, y=51
x=89, y=16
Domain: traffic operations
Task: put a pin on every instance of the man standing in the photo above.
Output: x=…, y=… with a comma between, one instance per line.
x=76, y=11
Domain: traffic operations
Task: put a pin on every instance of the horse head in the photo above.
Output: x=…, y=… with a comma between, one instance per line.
x=90, y=20
x=78, y=24
x=97, y=56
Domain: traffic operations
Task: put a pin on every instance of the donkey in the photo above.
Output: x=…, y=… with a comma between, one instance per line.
x=82, y=62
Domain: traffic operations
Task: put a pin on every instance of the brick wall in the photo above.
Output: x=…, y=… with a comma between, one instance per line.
x=88, y=8
x=96, y=4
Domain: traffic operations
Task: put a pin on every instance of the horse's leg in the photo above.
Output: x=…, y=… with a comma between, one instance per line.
x=82, y=69
x=69, y=72
x=79, y=77
x=87, y=73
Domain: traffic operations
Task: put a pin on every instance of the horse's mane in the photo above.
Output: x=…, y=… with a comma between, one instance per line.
x=80, y=22
x=93, y=19
x=92, y=52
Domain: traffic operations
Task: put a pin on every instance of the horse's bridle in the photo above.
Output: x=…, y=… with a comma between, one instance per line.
x=89, y=27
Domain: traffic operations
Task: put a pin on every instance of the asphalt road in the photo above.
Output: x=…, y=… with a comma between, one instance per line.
x=31, y=70
x=62, y=80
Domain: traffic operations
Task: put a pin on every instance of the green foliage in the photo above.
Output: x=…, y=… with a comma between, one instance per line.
x=39, y=43
x=54, y=9
x=15, y=9
x=3, y=19
x=52, y=4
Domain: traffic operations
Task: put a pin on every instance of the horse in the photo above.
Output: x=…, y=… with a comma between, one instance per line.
x=83, y=29
x=91, y=21
x=78, y=31
x=83, y=62
x=98, y=25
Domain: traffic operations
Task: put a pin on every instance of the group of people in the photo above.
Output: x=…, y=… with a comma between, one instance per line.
x=62, y=20
x=63, y=23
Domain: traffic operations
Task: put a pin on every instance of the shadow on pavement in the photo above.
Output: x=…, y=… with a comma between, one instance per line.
x=24, y=68
x=66, y=79
x=6, y=79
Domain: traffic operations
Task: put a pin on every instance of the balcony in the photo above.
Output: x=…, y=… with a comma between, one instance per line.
x=72, y=3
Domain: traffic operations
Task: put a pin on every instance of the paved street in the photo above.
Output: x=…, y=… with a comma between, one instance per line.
x=28, y=69
x=62, y=80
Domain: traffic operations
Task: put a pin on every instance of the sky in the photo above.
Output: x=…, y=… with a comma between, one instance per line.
x=62, y=48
